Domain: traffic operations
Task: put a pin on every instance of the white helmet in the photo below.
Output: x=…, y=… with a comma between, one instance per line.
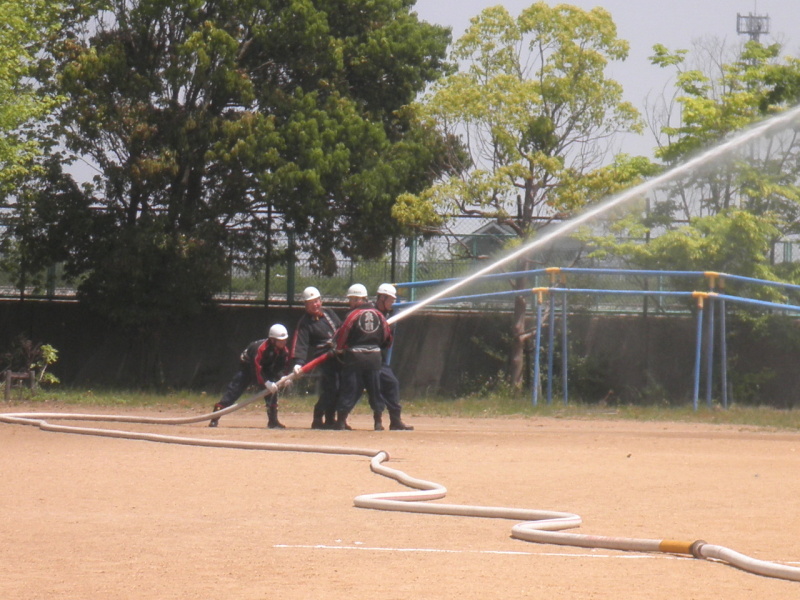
x=278, y=332
x=310, y=293
x=388, y=289
x=357, y=290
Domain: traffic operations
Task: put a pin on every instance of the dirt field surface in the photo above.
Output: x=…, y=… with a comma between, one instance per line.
x=99, y=517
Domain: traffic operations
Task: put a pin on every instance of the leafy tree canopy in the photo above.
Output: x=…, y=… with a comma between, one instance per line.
x=207, y=120
x=24, y=26
x=536, y=113
x=753, y=191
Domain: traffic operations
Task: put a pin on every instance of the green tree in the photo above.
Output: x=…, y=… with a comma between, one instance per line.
x=752, y=194
x=733, y=241
x=203, y=118
x=536, y=113
x=24, y=26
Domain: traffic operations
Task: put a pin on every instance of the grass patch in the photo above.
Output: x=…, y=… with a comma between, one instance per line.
x=503, y=406
x=473, y=406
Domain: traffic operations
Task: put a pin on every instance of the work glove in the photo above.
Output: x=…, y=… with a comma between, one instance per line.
x=297, y=369
x=271, y=387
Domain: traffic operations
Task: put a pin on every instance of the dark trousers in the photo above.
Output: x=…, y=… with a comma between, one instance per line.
x=329, y=383
x=390, y=390
x=237, y=386
x=353, y=380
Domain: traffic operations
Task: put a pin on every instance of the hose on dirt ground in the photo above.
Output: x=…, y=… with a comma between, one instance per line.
x=539, y=526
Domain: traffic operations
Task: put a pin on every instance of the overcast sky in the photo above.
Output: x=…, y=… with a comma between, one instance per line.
x=643, y=23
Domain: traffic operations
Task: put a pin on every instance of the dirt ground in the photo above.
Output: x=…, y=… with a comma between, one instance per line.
x=98, y=517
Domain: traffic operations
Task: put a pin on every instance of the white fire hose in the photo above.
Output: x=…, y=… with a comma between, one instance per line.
x=540, y=526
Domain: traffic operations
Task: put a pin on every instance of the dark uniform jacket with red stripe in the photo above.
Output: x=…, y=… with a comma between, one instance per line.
x=313, y=336
x=267, y=361
x=362, y=337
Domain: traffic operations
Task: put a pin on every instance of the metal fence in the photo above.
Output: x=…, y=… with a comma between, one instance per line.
x=467, y=245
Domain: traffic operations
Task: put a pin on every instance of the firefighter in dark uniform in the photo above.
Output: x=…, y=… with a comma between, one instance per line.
x=312, y=338
x=262, y=363
x=356, y=297
x=389, y=384
x=359, y=342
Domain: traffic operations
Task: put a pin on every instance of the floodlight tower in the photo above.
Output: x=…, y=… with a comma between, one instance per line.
x=752, y=25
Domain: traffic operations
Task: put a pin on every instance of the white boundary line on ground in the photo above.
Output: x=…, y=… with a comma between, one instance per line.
x=499, y=552
x=359, y=546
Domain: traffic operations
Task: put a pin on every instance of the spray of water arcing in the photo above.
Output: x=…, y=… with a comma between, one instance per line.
x=721, y=150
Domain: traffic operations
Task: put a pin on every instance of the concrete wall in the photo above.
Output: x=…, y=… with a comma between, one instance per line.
x=199, y=354
x=616, y=358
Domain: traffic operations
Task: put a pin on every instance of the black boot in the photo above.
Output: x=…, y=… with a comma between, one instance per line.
x=330, y=420
x=215, y=422
x=272, y=419
x=396, y=423
x=378, y=421
x=316, y=422
x=341, y=422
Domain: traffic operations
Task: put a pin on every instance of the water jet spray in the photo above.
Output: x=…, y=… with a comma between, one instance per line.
x=762, y=128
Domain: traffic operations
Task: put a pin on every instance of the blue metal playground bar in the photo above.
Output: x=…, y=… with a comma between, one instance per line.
x=550, y=270
x=763, y=282
x=435, y=282
x=702, y=297
x=711, y=275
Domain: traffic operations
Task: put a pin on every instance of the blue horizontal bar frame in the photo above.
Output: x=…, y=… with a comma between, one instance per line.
x=711, y=296
x=588, y=271
x=550, y=289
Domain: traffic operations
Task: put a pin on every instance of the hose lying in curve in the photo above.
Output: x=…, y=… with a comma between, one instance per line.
x=539, y=526
x=545, y=527
x=38, y=418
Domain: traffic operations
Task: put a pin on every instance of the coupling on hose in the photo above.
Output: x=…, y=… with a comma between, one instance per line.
x=697, y=548
x=681, y=547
